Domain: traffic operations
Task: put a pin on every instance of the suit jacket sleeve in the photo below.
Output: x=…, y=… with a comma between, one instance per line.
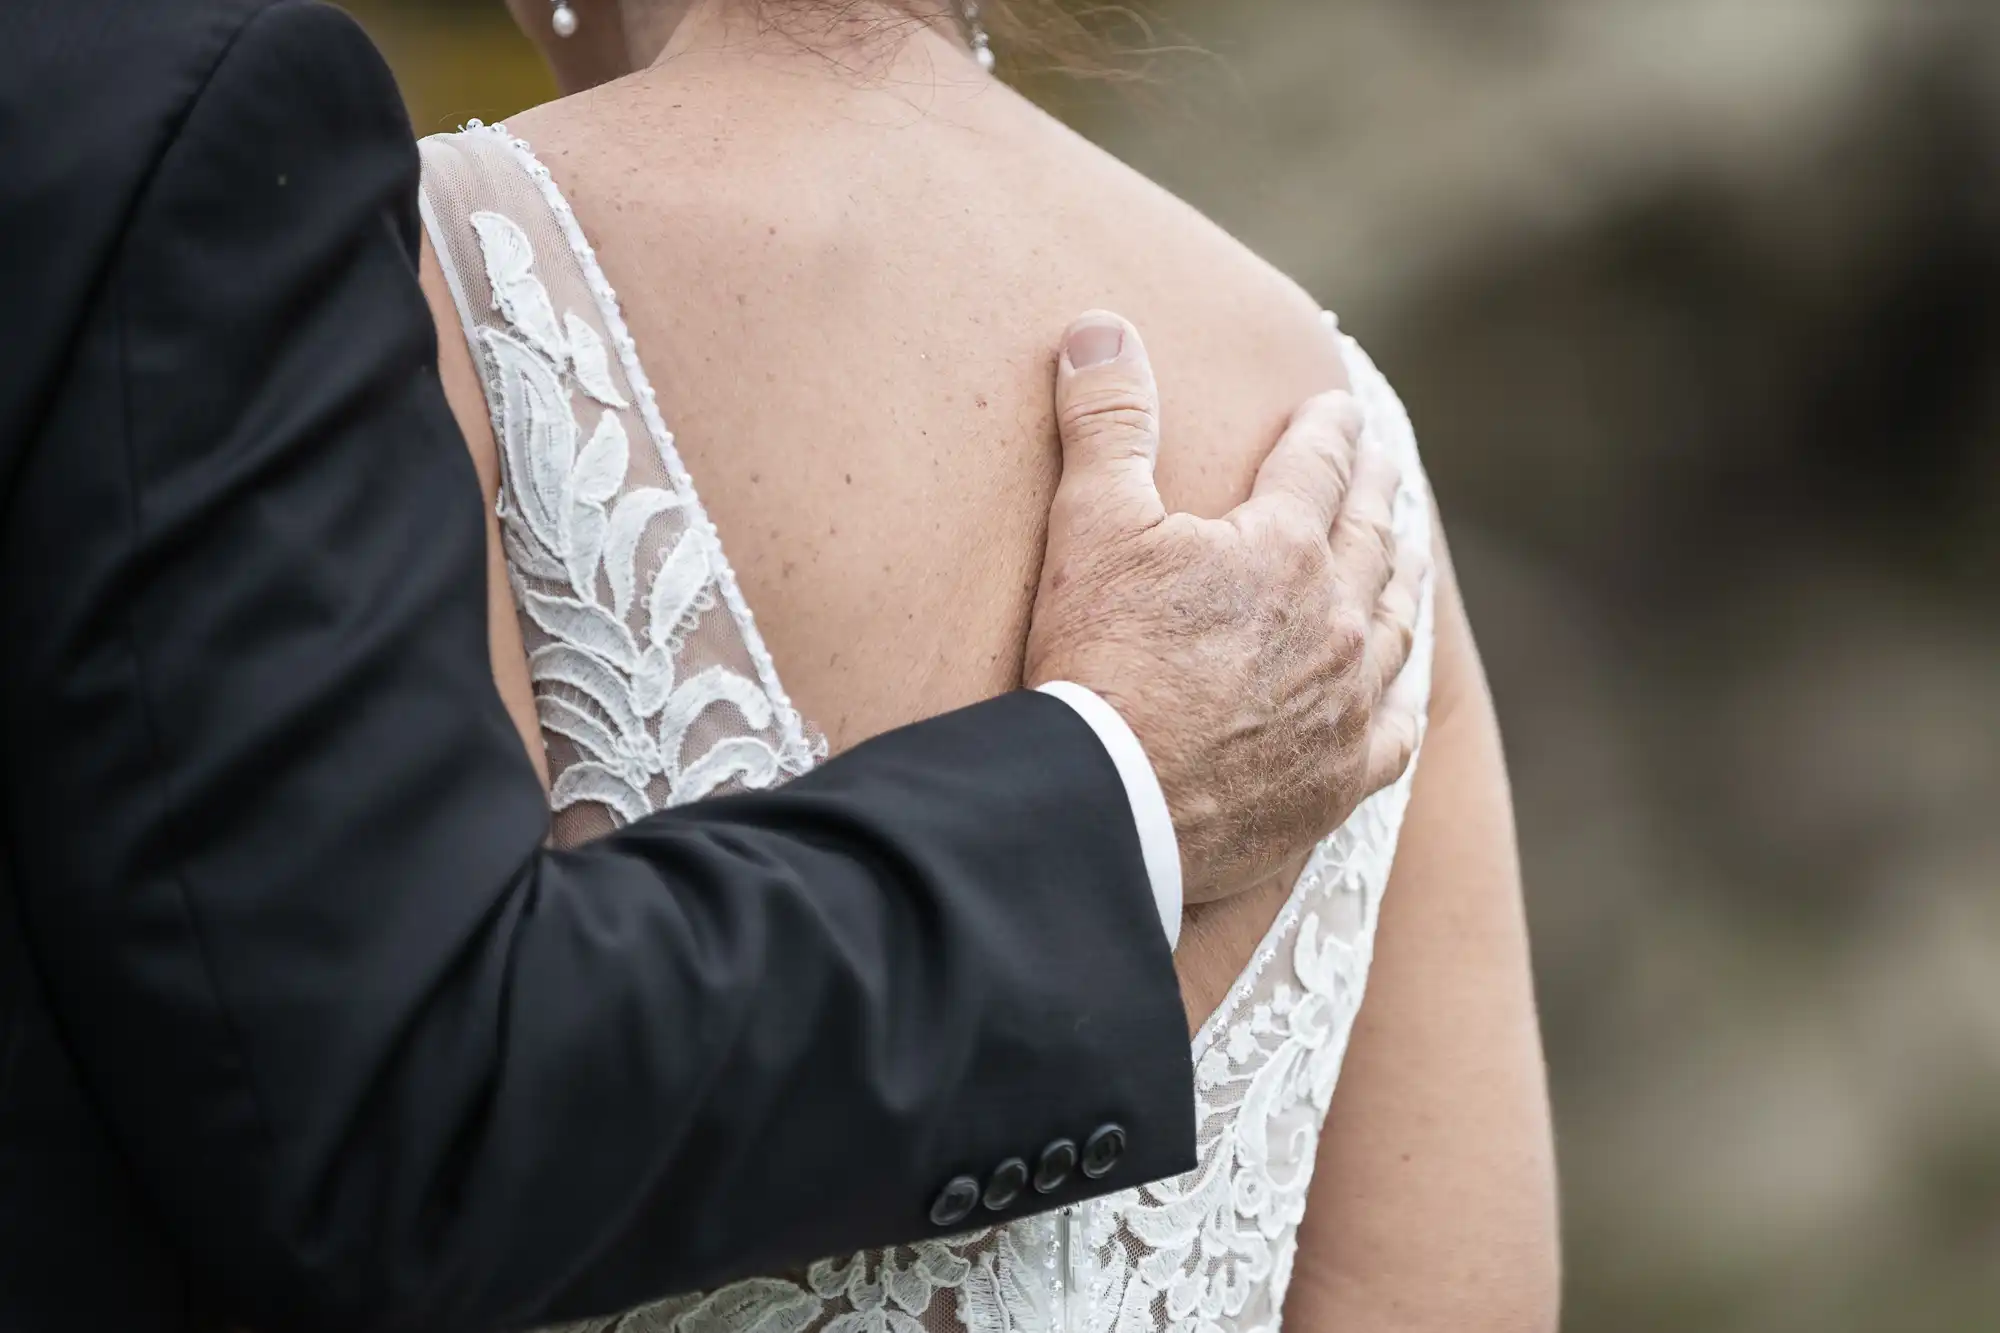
x=380, y=1059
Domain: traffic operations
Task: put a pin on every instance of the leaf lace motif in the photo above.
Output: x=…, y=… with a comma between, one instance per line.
x=1001, y=1281
x=1212, y=1250
x=613, y=577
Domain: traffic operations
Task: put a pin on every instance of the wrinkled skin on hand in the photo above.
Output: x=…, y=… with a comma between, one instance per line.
x=1253, y=655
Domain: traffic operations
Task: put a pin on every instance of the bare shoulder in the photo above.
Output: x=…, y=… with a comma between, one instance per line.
x=1237, y=342
x=1237, y=345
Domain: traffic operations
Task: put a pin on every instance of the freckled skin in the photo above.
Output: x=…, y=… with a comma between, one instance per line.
x=937, y=387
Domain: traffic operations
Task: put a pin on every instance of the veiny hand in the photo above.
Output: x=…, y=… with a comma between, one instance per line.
x=1253, y=655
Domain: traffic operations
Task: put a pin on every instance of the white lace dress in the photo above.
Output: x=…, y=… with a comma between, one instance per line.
x=654, y=688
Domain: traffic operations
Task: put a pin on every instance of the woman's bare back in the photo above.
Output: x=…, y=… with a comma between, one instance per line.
x=848, y=289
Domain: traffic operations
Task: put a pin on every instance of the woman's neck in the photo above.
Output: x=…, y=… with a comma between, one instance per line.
x=853, y=34
x=619, y=38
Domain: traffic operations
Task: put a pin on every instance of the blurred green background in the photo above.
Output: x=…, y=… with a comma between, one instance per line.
x=1697, y=306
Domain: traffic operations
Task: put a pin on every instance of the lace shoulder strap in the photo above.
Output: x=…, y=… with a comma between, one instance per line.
x=652, y=683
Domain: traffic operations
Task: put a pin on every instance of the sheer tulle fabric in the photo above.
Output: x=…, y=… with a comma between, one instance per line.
x=654, y=688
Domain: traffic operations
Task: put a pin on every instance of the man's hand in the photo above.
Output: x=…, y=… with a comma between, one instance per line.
x=1252, y=655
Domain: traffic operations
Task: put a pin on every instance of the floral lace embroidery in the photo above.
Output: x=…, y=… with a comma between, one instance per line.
x=611, y=668
x=1213, y=1250
x=999, y=1287
x=1210, y=1252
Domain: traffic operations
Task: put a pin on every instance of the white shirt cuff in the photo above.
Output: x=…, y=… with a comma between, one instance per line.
x=1157, y=843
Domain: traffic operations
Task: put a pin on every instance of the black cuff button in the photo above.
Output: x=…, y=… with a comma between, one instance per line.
x=1102, y=1151
x=955, y=1202
x=1009, y=1179
x=1052, y=1172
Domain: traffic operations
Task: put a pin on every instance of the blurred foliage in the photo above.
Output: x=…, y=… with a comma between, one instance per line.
x=1697, y=306
x=458, y=60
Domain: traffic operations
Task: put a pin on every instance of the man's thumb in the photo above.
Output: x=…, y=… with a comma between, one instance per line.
x=1107, y=405
x=1108, y=411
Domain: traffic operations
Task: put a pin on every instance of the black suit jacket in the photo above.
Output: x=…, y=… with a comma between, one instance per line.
x=300, y=1024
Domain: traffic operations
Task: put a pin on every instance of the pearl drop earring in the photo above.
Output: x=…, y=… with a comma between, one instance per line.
x=975, y=33
x=564, y=19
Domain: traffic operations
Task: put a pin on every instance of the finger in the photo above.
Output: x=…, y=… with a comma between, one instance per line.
x=1308, y=470
x=1393, y=740
x=1393, y=631
x=1364, y=539
x=1108, y=413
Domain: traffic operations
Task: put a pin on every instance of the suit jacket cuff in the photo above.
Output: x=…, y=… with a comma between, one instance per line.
x=1155, y=822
